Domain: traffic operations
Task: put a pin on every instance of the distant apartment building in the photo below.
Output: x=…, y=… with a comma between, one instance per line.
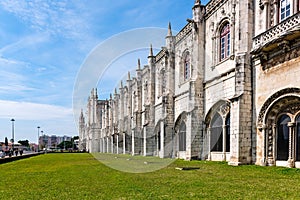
x=46, y=141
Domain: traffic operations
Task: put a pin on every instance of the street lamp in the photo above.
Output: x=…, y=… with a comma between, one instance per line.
x=38, y=138
x=42, y=137
x=13, y=132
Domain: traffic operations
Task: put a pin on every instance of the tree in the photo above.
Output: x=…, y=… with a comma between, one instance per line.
x=65, y=144
x=24, y=143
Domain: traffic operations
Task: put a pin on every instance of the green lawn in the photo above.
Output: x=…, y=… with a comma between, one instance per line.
x=81, y=176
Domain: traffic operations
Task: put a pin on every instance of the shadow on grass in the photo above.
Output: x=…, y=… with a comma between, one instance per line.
x=132, y=164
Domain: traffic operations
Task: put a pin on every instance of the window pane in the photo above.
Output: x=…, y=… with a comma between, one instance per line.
x=216, y=140
x=285, y=7
x=182, y=137
x=186, y=67
x=228, y=133
x=225, y=42
x=283, y=137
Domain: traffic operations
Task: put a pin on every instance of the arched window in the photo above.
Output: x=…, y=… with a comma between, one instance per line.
x=182, y=136
x=186, y=67
x=298, y=138
x=225, y=41
x=285, y=9
x=216, y=141
x=283, y=137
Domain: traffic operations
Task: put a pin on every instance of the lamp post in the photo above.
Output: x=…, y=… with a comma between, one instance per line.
x=38, y=148
x=13, y=132
x=42, y=132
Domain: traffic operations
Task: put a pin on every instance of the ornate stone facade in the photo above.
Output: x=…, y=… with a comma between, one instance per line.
x=225, y=88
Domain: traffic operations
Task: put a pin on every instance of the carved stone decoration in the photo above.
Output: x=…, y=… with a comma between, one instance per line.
x=221, y=107
x=224, y=109
x=292, y=108
x=272, y=11
x=270, y=143
x=261, y=5
x=271, y=99
x=267, y=64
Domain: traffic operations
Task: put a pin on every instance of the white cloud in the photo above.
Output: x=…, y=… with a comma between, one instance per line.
x=33, y=111
x=53, y=17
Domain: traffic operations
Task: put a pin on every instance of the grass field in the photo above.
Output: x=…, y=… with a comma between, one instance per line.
x=81, y=176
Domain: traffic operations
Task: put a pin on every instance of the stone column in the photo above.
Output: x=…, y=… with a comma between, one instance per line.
x=266, y=13
x=276, y=13
x=208, y=145
x=103, y=145
x=264, y=146
x=112, y=143
x=145, y=140
x=124, y=143
x=224, y=140
x=162, y=133
x=107, y=144
x=132, y=147
x=291, y=160
x=117, y=143
x=271, y=146
x=100, y=145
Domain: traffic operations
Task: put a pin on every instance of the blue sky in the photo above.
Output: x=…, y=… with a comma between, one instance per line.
x=44, y=44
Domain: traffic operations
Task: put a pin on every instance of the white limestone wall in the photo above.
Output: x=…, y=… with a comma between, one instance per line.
x=275, y=79
x=181, y=105
x=221, y=89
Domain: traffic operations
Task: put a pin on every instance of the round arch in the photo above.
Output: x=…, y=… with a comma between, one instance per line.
x=278, y=124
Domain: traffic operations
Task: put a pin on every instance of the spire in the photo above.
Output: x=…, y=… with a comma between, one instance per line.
x=121, y=84
x=92, y=92
x=169, y=30
x=115, y=90
x=139, y=64
x=197, y=2
x=128, y=75
x=110, y=96
x=81, y=116
x=151, y=51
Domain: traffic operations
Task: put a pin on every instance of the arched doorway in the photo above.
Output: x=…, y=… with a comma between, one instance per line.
x=279, y=125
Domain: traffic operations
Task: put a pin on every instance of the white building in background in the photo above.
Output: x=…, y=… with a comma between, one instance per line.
x=46, y=141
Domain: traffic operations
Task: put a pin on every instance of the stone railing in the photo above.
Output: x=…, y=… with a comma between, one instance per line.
x=184, y=32
x=160, y=55
x=276, y=31
x=211, y=5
